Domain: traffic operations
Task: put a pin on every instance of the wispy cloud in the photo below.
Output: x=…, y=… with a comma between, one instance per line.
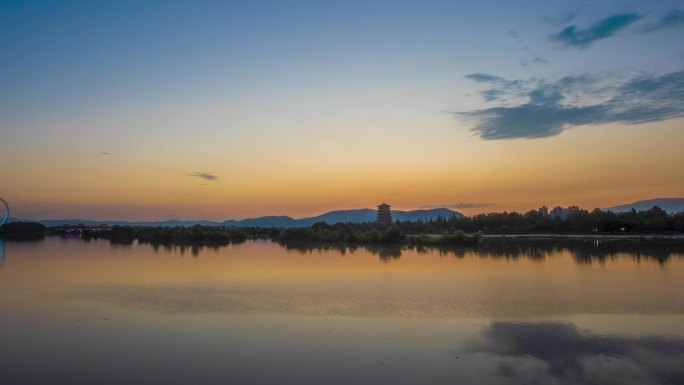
x=486, y=78
x=203, y=175
x=460, y=205
x=493, y=94
x=105, y=153
x=502, y=87
x=533, y=56
x=574, y=36
x=550, y=108
x=672, y=19
x=565, y=17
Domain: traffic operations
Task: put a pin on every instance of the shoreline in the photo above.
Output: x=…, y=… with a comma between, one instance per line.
x=585, y=236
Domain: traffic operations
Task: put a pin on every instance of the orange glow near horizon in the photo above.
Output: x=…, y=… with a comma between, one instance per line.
x=590, y=167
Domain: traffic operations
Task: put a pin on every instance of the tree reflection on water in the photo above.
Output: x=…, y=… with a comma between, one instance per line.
x=582, y=251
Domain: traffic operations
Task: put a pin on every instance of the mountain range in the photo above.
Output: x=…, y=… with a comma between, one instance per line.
x=354, y=216
x=671, y=205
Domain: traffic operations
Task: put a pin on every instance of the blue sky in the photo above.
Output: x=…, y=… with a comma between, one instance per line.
x=60, y=55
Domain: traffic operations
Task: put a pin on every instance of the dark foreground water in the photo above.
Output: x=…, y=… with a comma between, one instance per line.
x=75, y=312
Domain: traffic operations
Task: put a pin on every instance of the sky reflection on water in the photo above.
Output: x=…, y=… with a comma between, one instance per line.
x=257, y=312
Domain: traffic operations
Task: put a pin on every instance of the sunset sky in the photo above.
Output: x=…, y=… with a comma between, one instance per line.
x=150, y=110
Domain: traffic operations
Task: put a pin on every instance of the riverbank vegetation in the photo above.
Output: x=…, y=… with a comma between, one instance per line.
x=576, y=221
x=440, y=231
x=321, y=232
x=23, y=231
x=206, y=235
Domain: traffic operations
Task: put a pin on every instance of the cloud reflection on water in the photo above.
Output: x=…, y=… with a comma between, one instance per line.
x=560, y=353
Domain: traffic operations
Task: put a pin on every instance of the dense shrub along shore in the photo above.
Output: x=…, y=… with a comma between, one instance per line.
x=370, y=233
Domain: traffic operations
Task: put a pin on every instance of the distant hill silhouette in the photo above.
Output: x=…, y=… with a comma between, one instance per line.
x=332, y=217
x=671, y=205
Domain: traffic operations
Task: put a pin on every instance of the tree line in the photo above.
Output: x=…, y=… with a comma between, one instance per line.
x=196, y=234
x=577, y=221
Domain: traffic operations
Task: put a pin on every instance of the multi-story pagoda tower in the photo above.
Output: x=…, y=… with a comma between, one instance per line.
x=384, y=213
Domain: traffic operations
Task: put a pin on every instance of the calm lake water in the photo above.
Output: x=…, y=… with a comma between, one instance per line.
x=77, y=312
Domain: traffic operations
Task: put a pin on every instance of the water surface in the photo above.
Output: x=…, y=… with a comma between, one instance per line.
x=254, y=313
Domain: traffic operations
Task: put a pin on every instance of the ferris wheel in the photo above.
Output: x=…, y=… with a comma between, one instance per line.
x=4, y=211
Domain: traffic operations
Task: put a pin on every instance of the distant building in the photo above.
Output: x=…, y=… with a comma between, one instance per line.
x=384, y=213
x=83, y=228
x=544, y=211
x=563, y=213
x=558, y=212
